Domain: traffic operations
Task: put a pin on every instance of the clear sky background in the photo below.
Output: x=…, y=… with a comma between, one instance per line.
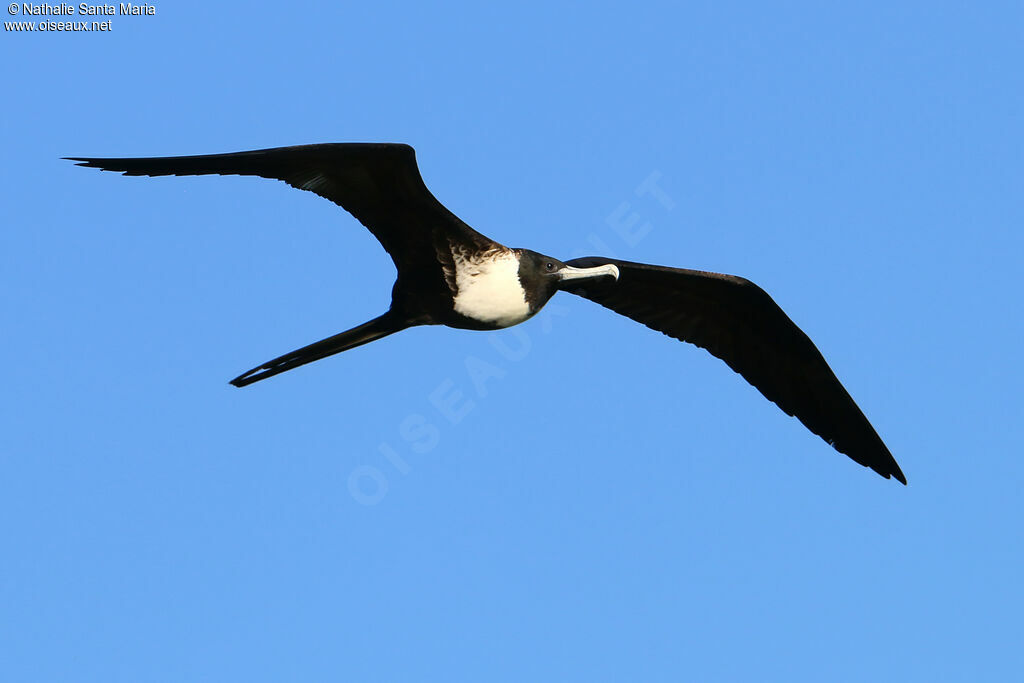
x=609, y=504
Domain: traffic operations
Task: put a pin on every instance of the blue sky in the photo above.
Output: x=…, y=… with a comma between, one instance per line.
x=607, y=503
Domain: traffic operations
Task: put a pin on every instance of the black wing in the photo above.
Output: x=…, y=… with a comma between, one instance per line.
x=378, y=183
x=735, y=320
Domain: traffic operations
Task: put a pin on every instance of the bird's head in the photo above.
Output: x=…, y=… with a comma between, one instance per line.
x=542, y=275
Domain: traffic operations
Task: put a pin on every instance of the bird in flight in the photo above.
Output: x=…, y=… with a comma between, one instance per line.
x=449, y=274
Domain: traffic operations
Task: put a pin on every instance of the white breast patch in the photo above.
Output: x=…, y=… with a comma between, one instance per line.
x=489, y=288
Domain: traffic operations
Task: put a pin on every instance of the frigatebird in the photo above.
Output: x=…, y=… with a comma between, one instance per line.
x=449, y=274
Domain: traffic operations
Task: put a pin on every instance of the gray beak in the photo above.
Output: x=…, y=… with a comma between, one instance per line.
x=570, y=273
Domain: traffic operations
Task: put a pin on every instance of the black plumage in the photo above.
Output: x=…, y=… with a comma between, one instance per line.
x=450, y=274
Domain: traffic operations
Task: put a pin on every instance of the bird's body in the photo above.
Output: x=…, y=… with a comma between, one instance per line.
x=488, y=289
x=449, y=274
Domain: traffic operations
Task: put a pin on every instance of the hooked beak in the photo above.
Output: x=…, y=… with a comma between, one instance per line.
x=570, y=273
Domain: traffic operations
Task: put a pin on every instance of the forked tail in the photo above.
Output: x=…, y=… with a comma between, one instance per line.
x=357, y=336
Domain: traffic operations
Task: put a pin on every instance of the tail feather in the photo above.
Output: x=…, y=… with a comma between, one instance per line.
x=349, y=339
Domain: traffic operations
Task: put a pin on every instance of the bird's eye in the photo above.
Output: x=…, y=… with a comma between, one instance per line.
x=549, y=265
